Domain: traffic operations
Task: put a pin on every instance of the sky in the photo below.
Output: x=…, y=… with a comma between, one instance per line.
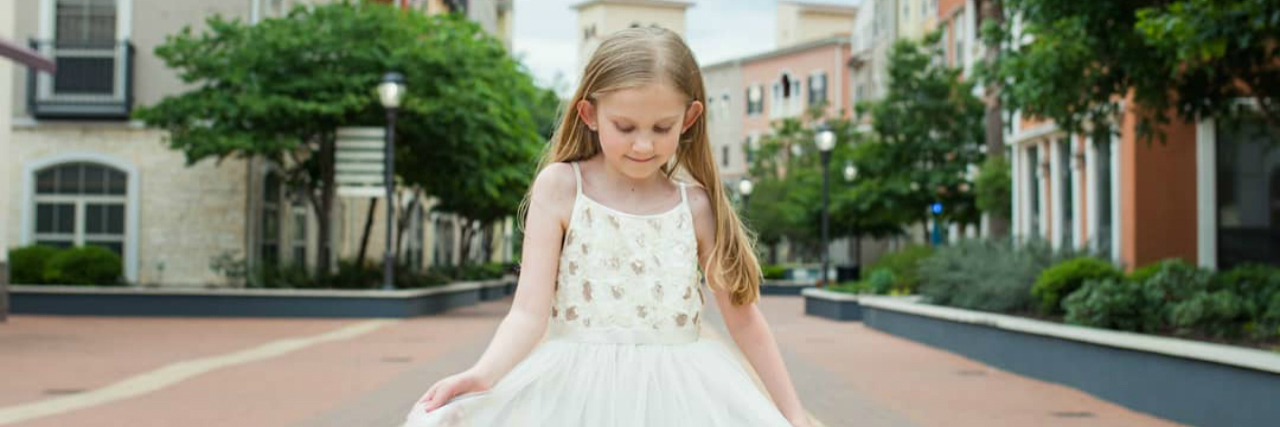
x=544, y=37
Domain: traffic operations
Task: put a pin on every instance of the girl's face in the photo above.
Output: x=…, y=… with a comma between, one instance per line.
x=640, y=127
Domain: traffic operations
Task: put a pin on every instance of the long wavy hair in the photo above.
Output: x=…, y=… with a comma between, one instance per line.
x=640, y=56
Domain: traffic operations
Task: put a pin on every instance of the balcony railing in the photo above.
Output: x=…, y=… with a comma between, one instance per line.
x=93, y=81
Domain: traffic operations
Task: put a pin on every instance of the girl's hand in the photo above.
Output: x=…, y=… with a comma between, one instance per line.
x=456, y=384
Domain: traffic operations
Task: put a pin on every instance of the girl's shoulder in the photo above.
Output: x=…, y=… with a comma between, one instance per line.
x=704, y=221
x=555, y=187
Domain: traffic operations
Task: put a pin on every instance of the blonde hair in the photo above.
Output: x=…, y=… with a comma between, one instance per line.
x=635, y=57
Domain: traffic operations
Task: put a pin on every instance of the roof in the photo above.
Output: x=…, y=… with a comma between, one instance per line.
x=657, y=3
x=824, y=42
x=824, y=7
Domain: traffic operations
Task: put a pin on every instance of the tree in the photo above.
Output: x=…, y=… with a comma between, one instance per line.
x=928, y=135
x=1075, y=63
x=281, y=88
x=991, y=18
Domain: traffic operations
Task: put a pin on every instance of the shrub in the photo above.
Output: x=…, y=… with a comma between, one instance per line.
x=773, y=271
x=281, y=276
x=990, y=275
x=27, y=264
x=905, y=266
x=85, y=265
x=1112, y=304
x=1258, y=284
x=1141, y=275
x=852, y=287
x=1061, y=280
x=881, y=281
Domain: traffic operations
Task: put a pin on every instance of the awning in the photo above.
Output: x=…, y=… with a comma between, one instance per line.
x=26, y=56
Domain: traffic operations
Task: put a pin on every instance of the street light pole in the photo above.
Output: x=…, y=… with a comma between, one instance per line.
x=744, y=188
x=826, y=140
x=390, y=92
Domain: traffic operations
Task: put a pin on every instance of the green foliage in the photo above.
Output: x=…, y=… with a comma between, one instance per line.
x=1258, y=287
x=932, y=130
x=1111, y=304
x=1143, y=273
x=1075, y=62
x=27, y=264
x=904, y=264
x=994, y=187
x=989, y=275
x=1175, y=297
x=85, y=265
x=1061, y=280
x=281, y=88
x=882, y=281
x=773, y=272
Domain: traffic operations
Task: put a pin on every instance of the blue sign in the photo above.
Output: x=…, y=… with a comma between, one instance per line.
x=936, y=208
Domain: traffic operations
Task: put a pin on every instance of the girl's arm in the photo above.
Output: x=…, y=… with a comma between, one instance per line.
x=746, y=323
x=526, y=322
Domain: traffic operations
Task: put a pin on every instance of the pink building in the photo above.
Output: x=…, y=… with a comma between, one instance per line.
x=786, y=82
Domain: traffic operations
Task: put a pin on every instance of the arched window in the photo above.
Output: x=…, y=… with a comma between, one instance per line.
x=81, y=203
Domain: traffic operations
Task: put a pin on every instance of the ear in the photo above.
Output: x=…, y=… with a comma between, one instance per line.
x=691, y=115
x=587, y=113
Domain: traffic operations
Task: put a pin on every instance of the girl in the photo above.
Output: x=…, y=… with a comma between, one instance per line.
x=610, y=271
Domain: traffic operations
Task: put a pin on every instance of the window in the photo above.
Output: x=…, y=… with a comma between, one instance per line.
x=269, y=240
x=442, y=252
x=861, y=93
x=755, y=100
x=412, y=254
x=747, y=151
x=79, y=204
x=1066, y=199
x=299, y=233
x=85, y=22
x=1103, y=190
x=1033, y=184
x=724, y=156
x=1248, y=187
x=818, y=89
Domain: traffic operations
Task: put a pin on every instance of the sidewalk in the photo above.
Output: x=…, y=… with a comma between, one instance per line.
x=162, y=372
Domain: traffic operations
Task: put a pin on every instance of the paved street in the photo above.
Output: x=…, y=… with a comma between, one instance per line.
x=164, y=372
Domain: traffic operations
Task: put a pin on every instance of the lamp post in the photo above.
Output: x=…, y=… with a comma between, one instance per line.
x=744, y=188
x=826, y=140
x=851, y=173
x=390, y=92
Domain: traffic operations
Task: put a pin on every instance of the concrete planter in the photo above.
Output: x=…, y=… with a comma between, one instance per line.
x=1186, y=381
x=832, y=305
x=135, y=301
x=784, y=287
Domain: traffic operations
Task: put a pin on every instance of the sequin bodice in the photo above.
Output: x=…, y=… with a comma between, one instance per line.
x=627, y=278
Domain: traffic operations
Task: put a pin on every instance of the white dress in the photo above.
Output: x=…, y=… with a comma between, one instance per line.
x=623, y=348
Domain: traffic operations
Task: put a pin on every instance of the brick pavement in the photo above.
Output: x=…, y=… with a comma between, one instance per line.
x=330, y=373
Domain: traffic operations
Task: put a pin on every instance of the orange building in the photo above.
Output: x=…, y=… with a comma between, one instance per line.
x=1209, y=194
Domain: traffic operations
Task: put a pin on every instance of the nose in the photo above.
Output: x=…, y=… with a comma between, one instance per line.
x=642, y=145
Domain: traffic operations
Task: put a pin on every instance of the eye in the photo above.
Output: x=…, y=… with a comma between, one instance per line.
x=662, y=130
x=624, y=129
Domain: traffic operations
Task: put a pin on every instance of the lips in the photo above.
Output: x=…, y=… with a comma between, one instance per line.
x=641, y=161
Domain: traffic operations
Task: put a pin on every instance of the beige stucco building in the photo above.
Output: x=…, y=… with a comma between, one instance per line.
x=800, y=22
x=599, y=18
x=76, y=170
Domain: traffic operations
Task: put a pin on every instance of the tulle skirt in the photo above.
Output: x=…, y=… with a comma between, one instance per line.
x=572, y=383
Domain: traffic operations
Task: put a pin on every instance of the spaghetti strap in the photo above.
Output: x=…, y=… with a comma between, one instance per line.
x=577, y=176
x=683, y=198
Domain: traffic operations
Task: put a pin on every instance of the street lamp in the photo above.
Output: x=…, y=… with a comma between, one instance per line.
x=826, y=141
x=744, y=188
x=390, y=92
x=850, y=171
